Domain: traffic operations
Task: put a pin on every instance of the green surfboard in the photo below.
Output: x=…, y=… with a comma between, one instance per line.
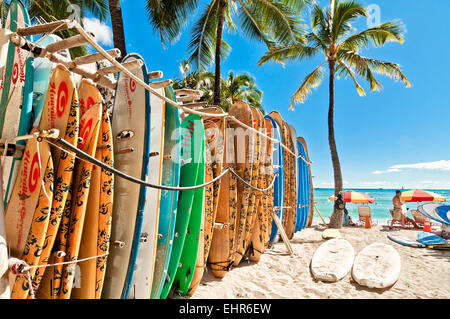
x=188, y=260
x=193, y=139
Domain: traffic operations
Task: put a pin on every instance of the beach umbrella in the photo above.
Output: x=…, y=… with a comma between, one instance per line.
x=418, y=195
x=355, y=197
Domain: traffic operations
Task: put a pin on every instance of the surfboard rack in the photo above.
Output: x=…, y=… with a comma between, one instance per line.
x=155, y=75
x=188, y=95
x=132, y=65
x=161, y=85
x=12, y=150
x=118, y=244
x=68, y=43
x=38, y=51
x=284, y=237
x=51, y=27
x=196, y=105
x=67, y=24
x=95, y=57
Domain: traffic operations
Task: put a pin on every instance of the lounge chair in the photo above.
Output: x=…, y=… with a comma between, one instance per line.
x=364, y=211
x=420, y=219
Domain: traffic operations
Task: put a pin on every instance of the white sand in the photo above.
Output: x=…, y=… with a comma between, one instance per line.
x=425, y=273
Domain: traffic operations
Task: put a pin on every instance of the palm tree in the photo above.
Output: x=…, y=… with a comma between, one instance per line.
x=243, y=87
x=331, y=36
x=51, y=10
x=268, y=21
x=115, y=10
x=236, y=87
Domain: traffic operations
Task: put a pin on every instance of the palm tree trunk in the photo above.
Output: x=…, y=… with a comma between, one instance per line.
x=338, y=211
x=218, y=75
x=115, y=11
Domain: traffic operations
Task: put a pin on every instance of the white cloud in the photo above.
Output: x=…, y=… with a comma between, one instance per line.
x=442, y=165
x=103, y=33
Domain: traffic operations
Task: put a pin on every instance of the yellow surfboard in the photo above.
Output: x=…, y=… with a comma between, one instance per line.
x=97, y=224
x=70, y=230
x=28, y=212
x=61, y=111
x=89, y=131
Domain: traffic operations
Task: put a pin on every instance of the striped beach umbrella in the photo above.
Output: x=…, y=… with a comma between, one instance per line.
x=418, y=195
x=356, y=197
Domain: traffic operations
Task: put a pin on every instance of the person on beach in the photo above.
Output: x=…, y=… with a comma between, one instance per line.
x=397, y=215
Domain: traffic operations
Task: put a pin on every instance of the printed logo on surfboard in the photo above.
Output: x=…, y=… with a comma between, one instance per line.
x=18, y=73
x=85, y=129
x=130, y=89
x=30, y=177
x=59, y=99
x=86, y=105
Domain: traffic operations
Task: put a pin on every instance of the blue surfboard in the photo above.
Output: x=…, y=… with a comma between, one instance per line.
x=305, y=183
x=430, y=239
x=406, y=241
x=169, y=199
x=437, y=212
x=278, y=195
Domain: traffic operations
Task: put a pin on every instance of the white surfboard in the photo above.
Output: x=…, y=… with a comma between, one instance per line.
x=333, y=260
x=130, y=126
x=141, y=285
x=377, y=266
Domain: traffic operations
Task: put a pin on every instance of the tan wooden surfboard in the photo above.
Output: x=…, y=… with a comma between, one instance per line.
x=257, y=241
x=290, y=225
x=256, y=169
x=269, y=177
x=220, y=256
x=243, y=143
x=215, y=132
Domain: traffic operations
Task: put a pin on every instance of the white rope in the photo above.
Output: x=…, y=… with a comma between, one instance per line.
x=122, y=69
x=28, y=268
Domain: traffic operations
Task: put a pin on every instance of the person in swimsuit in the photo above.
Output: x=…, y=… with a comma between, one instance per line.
x=397, y=215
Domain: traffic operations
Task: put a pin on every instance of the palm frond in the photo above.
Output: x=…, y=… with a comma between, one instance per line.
x=281, y=22
x=201, y=48
x=169, y=17
x=295, y=52
x=344, y=69
x=345, y=13
x=310, y=82
x=387, y=32
x=365, y=67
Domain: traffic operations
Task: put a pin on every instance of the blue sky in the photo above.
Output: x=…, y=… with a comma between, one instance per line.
x=390, y=139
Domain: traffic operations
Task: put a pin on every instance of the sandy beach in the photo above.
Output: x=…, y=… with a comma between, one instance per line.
x=425, y=273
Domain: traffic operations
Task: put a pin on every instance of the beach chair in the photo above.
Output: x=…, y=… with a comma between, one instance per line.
x=420, y=219
x=364, y=211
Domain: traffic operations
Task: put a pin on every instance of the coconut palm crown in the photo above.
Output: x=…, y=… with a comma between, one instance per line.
x=332, y=36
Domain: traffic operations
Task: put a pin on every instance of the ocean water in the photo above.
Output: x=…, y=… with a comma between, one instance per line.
x=379, y=210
